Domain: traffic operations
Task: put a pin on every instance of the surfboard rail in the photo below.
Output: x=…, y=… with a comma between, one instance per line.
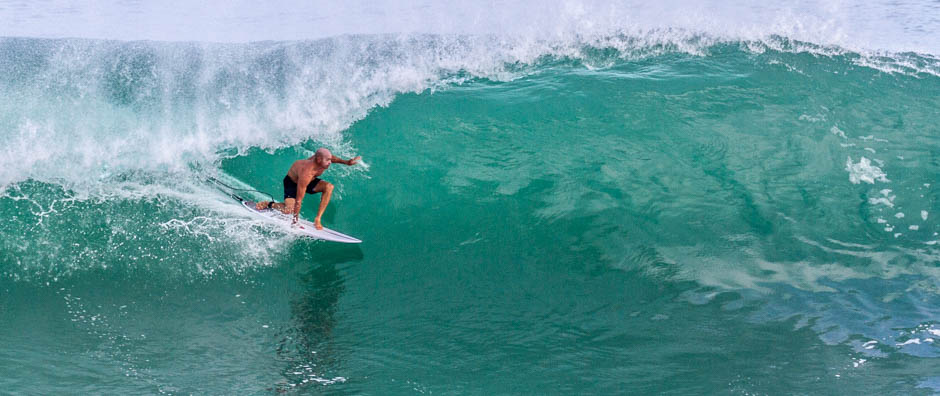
x=304, y=227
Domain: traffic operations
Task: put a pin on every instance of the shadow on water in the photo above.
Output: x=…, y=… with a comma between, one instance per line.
x=307, y=343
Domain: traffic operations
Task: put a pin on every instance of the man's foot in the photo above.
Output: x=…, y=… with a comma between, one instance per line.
x=316, y=223
x=264, y=205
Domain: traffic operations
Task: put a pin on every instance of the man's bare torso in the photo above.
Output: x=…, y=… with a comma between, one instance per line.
x=304, y=169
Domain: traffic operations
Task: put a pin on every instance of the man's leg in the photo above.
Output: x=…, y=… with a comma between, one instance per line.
x=287, y=207
x=326, y=188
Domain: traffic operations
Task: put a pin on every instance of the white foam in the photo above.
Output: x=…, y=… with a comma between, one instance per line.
x=899, y=215
x=923, y=215
x=193, y=104
x=816, y=118
x=227, y=225
x=883, y=201
x=873, y=138
x=864, y=171
x=873, y=25
x=836, y=131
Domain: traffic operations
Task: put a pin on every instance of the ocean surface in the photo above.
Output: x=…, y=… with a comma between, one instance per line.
x=571, y=198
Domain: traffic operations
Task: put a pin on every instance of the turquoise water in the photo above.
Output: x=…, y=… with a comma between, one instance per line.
x=693, y=216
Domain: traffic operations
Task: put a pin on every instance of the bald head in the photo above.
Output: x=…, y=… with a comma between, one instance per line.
x=323, y=152
x=323, y=157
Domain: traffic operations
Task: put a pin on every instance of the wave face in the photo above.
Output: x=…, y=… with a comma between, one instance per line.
x=573, y=213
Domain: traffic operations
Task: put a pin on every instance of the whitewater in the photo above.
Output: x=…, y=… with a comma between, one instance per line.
x=555, y=198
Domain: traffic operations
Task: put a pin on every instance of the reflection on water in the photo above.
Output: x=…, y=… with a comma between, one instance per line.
x=308, y=345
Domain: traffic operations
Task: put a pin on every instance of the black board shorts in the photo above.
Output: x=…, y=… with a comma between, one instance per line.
x=290, y=187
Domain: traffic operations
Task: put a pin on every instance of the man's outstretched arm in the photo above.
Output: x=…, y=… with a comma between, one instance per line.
x=352, y=161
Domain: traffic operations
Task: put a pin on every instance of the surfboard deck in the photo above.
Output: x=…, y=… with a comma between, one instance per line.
x=305, y=228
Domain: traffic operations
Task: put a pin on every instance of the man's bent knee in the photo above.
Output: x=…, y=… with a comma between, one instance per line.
x=288, y=205
x=323, y=187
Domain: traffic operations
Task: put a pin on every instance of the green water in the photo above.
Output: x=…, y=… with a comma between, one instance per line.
x=671, y=223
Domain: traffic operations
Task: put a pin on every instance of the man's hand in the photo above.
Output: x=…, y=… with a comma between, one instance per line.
x=353, y=161
x=296, y=223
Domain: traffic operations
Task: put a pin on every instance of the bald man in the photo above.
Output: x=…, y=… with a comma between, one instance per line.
x=303, y=178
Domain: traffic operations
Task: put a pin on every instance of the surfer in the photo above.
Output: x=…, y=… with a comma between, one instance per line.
x=303, y=178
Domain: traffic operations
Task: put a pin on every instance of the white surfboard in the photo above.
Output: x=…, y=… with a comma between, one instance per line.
x=304, y=227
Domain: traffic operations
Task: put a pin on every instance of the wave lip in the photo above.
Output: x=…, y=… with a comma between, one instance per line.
x=858, y=26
